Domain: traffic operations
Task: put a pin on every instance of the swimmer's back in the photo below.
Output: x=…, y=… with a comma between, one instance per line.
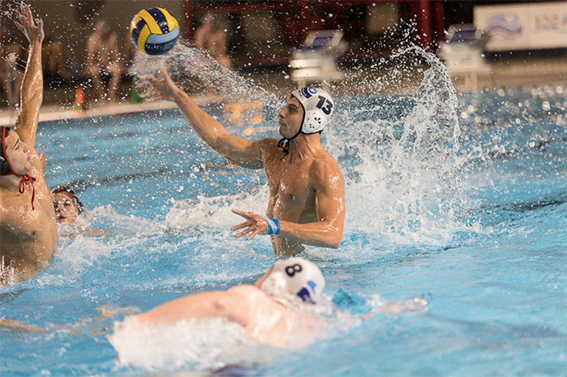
x=267, y=319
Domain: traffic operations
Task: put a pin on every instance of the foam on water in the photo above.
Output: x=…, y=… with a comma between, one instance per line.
x=208, y=344
x=215, y=211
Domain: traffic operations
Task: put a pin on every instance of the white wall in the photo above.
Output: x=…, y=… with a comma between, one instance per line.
x=530, y=26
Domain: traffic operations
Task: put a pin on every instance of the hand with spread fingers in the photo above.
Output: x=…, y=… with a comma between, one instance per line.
x=156, y=89
x=254, y=224
x=27, y=25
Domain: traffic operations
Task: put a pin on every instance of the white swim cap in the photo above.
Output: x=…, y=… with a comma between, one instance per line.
x=318, y=106
x=294, y=279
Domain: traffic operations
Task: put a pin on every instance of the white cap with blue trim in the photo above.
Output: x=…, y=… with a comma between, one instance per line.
x=294, y=280
x=318, y=106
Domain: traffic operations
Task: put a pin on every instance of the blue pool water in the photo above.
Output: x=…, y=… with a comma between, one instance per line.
x=463, y=204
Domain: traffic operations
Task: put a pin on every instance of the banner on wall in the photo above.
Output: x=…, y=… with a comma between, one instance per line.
x=533, y=26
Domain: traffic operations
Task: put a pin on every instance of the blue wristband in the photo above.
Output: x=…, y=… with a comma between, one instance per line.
x=273, y=225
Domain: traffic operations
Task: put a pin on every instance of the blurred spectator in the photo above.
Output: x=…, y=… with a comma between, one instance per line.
x=11, y=55
x=211, y=36
x=128, y=53
x=102, y=53
x=53, y=61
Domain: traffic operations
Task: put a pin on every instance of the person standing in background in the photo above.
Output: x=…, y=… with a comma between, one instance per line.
x=103, y=60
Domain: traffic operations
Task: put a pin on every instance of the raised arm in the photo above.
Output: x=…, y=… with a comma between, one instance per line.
x=32, y=85
x=241, y=151
x=228, y=304
x=328, y=182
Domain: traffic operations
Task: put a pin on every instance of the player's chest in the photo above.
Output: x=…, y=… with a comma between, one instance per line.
x=22, y=222
x=290, y=183
x=26, y=218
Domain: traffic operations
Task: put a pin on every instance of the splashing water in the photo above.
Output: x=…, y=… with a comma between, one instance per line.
x=400, y=159
x=405, y=177
x=406, y=152
x=209, y=344
x=194, y=69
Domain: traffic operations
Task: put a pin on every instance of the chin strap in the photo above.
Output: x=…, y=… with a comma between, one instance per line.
x=284, y=143
x=27, y=179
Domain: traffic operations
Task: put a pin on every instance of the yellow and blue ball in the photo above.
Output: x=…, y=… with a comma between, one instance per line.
x=154, y=31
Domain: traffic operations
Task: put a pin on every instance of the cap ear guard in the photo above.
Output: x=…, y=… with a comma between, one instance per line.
x=318, y=106
x=314, y=122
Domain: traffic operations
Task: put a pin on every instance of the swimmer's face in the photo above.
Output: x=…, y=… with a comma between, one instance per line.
x=291, y=117
x=66, y=210
x=18, y=153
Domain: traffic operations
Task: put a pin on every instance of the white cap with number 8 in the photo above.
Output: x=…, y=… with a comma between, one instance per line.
x=292, y=279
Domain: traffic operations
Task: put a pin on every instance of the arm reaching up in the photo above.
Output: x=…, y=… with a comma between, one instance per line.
x=32, y=85
x=241, y=151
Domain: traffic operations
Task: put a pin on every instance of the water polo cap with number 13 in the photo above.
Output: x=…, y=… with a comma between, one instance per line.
x=318, y=107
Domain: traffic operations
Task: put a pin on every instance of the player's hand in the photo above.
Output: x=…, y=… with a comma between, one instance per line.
x=154, y=88
x=26, y=24
x=254, y=224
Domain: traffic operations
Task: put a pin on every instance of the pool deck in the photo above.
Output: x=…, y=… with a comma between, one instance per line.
x=50, y=112
x=527, y=72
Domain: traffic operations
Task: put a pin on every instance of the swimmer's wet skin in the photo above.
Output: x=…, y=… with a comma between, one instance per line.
x=28, y=242
x=271, y=311
x=267, y=310
x=306, y=205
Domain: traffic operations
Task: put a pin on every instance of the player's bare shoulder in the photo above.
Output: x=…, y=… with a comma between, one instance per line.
x=269, y=148
x=38, y=162
x=325, y=170
x=245, y=289
x=248, y=293
x=18, y=218
x=268, y=144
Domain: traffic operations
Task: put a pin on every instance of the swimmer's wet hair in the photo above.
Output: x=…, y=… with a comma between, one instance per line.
x=68, y=190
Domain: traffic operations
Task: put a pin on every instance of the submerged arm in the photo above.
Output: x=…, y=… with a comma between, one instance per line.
x=19, y=326
x=32, y=85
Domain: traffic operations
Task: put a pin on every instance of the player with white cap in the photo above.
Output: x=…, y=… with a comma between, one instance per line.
x=318, y=106
x=268, y=311
x=292, y=281
x=306, y=204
